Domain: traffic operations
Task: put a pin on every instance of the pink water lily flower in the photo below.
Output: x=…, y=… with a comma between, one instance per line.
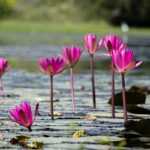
x=23, y=115
x=4, y=67
x=71, y=56
x=51, y=67
x=91, y=43
x=124, y=61
x=112, y=42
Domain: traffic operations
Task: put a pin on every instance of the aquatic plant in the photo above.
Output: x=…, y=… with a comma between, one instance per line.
x=124, y=61
x=4, y=67
x=112, y=42
x=51, y=67
x=92, y=46
x=71, y=56
x=23, y=115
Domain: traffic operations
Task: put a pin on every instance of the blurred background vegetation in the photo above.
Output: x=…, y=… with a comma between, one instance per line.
x=57, y=22
x=133, y=12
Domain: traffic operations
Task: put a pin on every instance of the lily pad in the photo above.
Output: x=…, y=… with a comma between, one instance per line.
x=78, y=134
x=19, y=139
x=35, y=145
x=90, y=117
x=131, y=98
x=137, y=110
x=142, y=126
x=140, y=89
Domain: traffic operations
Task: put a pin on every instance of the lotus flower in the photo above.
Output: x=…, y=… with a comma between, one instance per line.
x=92, y=46
x=124, y=61
x=71, y=56
x=91, y=43
x=112, y=42
x=51, y=67
x=4, y=67
x=23, y=115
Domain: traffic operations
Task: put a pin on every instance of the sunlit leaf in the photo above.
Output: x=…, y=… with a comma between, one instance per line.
x=89, y=117
x=7, y=123
x=78, y=134
x=35, y=145
x=56, y=113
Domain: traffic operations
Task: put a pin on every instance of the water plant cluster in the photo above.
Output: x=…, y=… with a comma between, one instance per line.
x=122, y=60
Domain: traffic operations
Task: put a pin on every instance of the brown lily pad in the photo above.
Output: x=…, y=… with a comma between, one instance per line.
x=19, y=139
x=137, y=110
x=131, y=98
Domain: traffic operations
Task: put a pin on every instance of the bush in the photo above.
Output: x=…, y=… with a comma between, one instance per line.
x=6, y=7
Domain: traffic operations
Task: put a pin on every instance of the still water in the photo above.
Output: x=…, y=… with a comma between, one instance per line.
x=23, y=82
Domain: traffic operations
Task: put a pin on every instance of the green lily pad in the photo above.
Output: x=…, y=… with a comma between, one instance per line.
x=131, y=98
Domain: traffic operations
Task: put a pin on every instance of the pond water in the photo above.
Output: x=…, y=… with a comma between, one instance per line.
x=23, y=82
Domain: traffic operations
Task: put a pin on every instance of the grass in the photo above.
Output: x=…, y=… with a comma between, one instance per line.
x=14, y=32
x=73, y=27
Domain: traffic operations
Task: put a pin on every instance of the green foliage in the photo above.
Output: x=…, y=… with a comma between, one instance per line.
x=116, y=11
x=112, y=11
x=6, y=7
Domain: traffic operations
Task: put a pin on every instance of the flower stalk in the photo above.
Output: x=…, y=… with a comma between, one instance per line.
x=51, y=98
x=112, y=90
x=124, y=98
x=72, y=89
x=29, y=128
x=1, y=87
x=93, y=81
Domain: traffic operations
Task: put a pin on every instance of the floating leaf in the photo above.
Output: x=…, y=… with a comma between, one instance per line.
x=56, y=113
x=78, y=134
x=19, y=139
x=139, y=89
x=131, y=98
x=89, y=117
x=137, y=110
x=7, y=123
x=140, y=126
x=35, y=145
